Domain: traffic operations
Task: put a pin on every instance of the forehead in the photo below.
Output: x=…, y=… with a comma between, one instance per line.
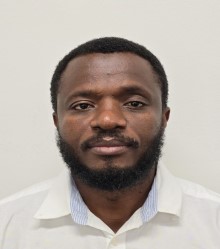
x=107, y=71
x=96, y=63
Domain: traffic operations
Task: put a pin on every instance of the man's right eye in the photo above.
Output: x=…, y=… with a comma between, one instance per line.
x=82, y=106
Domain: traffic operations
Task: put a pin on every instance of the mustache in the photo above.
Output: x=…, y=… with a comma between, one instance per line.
x=115, y=136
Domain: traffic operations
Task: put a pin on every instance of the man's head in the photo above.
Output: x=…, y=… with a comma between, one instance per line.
x=110, y=101
x=108, y=45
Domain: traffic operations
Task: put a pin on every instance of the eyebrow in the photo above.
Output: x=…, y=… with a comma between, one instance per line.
x=84, y=93
x=127, y=90
x=122, y=91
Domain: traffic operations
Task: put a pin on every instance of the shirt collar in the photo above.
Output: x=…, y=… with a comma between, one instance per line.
x=149, y=208
x=169, y=191
x=57, y=202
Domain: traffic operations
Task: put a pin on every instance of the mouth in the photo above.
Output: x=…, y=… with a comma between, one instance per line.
x=109, y=150
x=109, y=147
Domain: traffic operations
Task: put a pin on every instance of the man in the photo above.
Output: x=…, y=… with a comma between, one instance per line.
x=109, y=97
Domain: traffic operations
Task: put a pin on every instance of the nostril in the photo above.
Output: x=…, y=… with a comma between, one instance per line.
x=108, y=120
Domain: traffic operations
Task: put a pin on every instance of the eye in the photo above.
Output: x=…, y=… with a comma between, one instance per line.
x=82, y=106
x=135, y=104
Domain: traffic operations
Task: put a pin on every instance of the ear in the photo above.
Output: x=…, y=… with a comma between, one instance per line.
x=166, y=116
x=55, y=119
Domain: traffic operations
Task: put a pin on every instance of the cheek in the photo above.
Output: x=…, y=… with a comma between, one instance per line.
x=72, y=129
x=146, y=126
x=149, y=122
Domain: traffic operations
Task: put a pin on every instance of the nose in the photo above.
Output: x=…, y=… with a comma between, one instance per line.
x=108, y=116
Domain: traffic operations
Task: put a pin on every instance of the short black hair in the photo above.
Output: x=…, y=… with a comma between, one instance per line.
x=107, y=45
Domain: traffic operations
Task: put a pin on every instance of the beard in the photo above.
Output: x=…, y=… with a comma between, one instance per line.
x=112, y=177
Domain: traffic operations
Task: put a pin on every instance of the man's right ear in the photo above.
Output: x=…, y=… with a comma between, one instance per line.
x=55, y=119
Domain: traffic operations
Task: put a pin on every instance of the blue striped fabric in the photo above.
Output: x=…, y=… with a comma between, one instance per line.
x=79, y=210
x=149, y=209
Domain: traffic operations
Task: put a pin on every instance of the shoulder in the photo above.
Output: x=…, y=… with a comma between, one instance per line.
x=22, y=212
x=196, y=206
x=23, y=203
x=27, y=192
x=198, y=191
x=178, y=186
x=201, y=205
x=17, y=211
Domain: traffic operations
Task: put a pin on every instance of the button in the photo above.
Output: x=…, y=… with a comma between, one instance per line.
x=114, y=242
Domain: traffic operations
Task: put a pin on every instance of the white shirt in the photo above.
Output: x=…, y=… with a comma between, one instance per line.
x=40, y=218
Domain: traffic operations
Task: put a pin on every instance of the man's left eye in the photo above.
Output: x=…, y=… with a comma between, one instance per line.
x=135, y=104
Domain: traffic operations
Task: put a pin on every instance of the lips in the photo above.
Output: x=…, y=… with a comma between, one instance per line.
x=108, y=147
x=109, y=151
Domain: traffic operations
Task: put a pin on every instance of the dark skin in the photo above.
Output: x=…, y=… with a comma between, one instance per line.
x=107, y=92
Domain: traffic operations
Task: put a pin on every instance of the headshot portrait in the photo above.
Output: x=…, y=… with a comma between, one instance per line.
x=110, y=125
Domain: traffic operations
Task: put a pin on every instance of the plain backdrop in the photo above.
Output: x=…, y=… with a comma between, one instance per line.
x=35, y=35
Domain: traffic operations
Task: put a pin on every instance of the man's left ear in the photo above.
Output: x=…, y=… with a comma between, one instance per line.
x=166, y=116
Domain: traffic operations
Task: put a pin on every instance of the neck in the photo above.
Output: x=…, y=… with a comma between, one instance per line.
x=116, y=207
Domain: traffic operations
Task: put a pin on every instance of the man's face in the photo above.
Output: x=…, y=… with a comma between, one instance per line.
x=109, y=111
